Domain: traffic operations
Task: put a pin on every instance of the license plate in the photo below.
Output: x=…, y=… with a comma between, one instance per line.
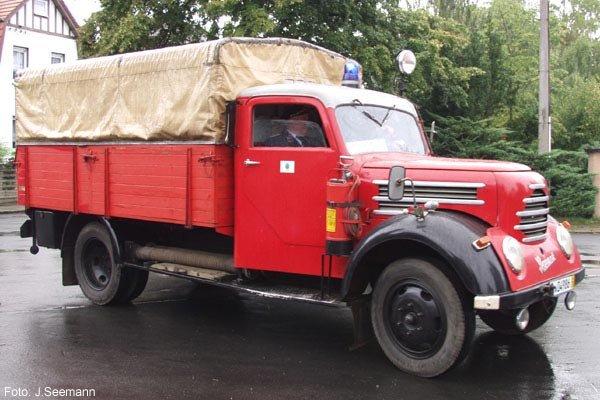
x=560, y=286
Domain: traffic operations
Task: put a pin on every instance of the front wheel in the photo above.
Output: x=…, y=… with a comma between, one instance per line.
x=419, y=318
x=504, y=321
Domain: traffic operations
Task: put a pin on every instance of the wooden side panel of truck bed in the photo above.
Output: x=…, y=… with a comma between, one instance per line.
x=183, y=184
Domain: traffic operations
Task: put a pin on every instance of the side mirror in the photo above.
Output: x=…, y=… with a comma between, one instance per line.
x=396, y=183
x=406, y=62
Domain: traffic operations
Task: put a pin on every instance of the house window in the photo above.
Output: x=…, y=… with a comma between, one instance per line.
x=20, y=58
x=57, y=58
x=40, y=8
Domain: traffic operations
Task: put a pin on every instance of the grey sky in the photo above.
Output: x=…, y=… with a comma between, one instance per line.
x=82, y=9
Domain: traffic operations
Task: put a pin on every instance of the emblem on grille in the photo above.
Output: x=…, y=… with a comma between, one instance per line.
x=545, y=263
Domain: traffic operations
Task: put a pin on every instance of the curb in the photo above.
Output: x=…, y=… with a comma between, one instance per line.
x=11, y=210
x=594, y=231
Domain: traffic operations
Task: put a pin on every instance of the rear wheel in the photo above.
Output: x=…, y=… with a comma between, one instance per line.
x=504, y=321
x=419, y=318
x=100, y=278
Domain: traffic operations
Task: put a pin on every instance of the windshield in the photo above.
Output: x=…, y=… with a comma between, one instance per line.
x=373, y=129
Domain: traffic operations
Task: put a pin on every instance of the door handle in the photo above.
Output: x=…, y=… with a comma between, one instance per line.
x=89, y=158
x=248, y=162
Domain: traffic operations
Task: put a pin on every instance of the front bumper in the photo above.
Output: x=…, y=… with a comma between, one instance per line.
x=520, y=299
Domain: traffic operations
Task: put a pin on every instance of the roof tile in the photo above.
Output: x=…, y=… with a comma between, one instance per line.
x=8, y=6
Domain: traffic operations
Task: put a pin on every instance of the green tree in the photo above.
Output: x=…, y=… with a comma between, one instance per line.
x=132, y=25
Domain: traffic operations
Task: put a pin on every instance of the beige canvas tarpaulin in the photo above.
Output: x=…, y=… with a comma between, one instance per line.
x=176, y=93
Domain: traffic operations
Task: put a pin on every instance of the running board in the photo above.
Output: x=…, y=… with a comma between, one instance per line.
x=285, y=292
x=225, y=279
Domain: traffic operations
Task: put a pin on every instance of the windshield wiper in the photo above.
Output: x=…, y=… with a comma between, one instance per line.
x=366, y=113
x=387, y=114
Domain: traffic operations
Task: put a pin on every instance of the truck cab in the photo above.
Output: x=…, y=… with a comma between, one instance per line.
x=282, y=186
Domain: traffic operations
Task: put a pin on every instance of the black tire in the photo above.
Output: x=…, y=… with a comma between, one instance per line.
x=504, y=321
x=100, y=278
x=422, y=321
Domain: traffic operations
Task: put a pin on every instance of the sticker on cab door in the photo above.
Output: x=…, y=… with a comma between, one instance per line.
x=287, y=167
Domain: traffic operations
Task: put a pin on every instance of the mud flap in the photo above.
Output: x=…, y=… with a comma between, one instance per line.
x=363, y=330
x=26, y=230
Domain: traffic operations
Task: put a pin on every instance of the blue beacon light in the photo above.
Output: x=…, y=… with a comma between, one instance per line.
x=352, y=74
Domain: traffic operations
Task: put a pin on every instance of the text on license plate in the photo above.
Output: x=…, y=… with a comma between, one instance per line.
x=562, y=285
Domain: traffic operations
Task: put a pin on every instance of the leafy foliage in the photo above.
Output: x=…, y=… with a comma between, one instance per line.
x=566, y=171
x=6, y=156
x=131, y=25
x=477, y=65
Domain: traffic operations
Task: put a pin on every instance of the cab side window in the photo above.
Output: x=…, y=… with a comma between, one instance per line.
x=279, y=125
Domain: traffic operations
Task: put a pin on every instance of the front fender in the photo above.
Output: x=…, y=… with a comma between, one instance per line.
x=447, y=235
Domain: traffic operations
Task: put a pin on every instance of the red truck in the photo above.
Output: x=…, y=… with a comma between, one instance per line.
x=310, y=190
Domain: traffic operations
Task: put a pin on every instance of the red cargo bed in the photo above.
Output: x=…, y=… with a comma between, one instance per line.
x=190, y=185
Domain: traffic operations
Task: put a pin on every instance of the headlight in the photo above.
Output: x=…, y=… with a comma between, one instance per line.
x=563, y=237
x=513, y=253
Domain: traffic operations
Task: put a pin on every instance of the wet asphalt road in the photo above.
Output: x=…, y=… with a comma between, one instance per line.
x=180, y=340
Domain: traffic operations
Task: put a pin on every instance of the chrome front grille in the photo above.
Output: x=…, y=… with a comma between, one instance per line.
x=533, y=219
x=442, y=192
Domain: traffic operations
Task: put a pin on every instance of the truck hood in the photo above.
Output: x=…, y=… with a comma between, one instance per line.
x=416, y=161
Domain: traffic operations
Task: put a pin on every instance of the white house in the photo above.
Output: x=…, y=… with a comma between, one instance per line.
x=32, y=33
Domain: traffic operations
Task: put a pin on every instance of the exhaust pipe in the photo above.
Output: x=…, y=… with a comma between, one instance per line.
x=192, y=258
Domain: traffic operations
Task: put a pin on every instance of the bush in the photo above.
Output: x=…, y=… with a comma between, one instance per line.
x=6, y=154
x=571, y=187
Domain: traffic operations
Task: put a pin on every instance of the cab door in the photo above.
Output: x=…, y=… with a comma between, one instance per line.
x=280, y=185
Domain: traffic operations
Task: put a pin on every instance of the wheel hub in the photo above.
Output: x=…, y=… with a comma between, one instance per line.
x=416, y=319
x=97, y=266
x=410, y=319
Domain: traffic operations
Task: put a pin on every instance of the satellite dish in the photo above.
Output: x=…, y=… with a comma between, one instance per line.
x=406, y=61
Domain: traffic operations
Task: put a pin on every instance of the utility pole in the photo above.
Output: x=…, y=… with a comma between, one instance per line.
x=545, y=121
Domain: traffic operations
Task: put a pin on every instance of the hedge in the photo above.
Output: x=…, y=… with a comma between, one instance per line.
x=571, y=186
